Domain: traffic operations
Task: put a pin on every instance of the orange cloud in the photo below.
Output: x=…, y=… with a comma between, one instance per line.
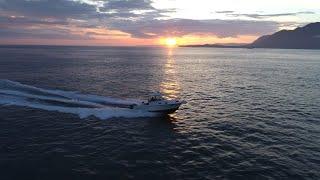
x=209, y=39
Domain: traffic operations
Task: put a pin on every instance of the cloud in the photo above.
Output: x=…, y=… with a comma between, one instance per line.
x=43, y=33
x=60, y=18
x=224, y=12
x=180, y=27
x=262, y=16
x=134, y=9
x=20, y=21
x=48, y=8
x=128, y=5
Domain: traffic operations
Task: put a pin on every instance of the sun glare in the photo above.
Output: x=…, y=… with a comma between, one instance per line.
x=171, y=42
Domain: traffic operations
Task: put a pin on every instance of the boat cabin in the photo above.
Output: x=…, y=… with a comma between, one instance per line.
x=155, y=97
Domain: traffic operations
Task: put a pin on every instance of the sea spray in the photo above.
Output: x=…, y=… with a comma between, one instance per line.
x=84, y=105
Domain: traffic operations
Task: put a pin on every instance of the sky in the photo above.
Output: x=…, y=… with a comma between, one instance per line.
x=149, y=22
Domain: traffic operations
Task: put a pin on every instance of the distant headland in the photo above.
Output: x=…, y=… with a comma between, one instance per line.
x=307, y=37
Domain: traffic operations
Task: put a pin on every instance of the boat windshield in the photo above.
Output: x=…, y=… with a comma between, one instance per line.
x=155, y=98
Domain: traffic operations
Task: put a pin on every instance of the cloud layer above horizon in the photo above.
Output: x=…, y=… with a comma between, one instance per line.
x=144, y=22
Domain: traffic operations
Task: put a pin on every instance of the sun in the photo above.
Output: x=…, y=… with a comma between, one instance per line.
x=170, y=42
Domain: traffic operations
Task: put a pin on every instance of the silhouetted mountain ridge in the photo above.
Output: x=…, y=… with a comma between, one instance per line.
x=307, y=37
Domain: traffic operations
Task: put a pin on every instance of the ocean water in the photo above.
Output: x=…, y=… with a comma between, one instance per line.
x=251, y=113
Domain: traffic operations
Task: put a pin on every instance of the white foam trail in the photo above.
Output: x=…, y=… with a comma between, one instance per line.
x=17, y=94
x=7, y=84
x=57, y=99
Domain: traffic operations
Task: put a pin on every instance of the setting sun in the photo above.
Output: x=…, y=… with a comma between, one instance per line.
x=171, y=42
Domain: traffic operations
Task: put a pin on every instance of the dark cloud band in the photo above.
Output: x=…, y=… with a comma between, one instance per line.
x=136, y=17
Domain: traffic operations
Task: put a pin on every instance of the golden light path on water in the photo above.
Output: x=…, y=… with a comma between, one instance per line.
x=170, y=85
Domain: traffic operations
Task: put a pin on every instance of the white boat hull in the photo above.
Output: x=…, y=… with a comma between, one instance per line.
x=166, y=107
x=157, y=104
x=170, y=108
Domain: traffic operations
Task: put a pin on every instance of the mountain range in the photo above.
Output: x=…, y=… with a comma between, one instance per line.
x=307, y=37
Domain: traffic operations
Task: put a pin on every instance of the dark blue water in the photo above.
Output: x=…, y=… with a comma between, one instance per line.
x=251, y=113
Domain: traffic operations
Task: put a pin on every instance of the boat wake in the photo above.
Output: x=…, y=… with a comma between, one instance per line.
x=84, y=105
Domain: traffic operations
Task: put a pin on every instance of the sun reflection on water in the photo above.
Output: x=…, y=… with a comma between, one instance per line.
x=170, y=86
